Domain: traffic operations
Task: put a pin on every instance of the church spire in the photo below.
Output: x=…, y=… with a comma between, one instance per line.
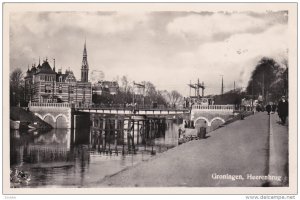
x=85, y=65
x=84, y=50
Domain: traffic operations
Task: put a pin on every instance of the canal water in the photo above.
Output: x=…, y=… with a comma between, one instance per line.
x=77, y=157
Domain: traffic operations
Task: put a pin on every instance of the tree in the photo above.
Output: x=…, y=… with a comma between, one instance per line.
x=174, y=97
x=263, y=79
x=17, y=89
x=230, y=97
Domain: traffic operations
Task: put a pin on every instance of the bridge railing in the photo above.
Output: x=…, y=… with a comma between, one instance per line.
x=126, y=107
x=214, y=107
x=38, y=104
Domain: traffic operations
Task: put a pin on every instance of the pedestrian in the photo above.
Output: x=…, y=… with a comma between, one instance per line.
x=274, y=107
x=268, y=108
x=283, y=109
x=179, y=132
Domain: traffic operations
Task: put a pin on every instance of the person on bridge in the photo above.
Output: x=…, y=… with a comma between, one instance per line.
x=179, y=132
x=274, y=108
x=283, y=109
x=268, y=108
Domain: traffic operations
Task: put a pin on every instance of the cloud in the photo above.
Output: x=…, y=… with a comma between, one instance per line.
x=49, y=23
x=218, y=25
x=236, y=57
x=166, y=48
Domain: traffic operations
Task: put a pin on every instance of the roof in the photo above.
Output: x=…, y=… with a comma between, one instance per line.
x=64, y=76
x=31, y=71
x=45, y=68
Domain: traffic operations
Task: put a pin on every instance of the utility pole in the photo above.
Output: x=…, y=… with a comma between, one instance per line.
x=198, y=88
x=234, y=86
x=222, y=87
x=139, y=85
x=53, y=88
x=190, y=87
x=203, y=89
x=263, y=87
x=133, y=93
x=252, y=93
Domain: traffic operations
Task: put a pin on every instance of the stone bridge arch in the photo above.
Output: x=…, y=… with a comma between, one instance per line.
x=217, y=118
x=38, y=115
x=50, y=119
x=203, y=118
x=61, y=121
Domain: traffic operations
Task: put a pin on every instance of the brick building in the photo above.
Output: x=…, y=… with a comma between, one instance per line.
x=44, y=84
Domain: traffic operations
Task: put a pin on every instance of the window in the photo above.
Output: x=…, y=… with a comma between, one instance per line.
x=60, y=88
x=47, y=88
x=71, y=89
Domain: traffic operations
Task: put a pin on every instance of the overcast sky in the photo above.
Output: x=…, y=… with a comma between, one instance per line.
x=167, y=48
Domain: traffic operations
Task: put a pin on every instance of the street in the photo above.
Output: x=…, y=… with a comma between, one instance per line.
x=236, y=155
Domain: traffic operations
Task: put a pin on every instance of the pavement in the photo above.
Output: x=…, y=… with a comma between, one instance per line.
x=246, y=153
x=278, y=151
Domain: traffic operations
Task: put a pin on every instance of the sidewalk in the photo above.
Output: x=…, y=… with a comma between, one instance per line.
x=232, y=156
x=278, y=151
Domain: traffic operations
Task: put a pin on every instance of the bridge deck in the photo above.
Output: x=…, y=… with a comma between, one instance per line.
x=134, y=111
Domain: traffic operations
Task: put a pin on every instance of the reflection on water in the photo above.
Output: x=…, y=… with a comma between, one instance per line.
x=70, y=158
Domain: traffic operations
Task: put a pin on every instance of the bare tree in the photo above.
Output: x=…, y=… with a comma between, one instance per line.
x=17, y=90
x=173, y=97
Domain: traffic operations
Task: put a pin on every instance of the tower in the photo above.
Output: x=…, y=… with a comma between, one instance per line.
x=84, y=66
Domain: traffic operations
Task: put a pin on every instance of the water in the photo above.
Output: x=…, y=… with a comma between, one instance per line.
x=69, y=158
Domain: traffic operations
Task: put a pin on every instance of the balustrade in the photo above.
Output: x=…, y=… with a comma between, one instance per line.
x=39, y=104
x=213, y=107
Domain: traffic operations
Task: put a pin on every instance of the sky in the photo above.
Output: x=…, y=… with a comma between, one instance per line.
x=169, y=49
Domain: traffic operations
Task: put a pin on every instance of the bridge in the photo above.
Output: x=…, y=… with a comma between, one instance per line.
x=66, y=115
x=211, y=113
x=58, y=115
x=133, y=111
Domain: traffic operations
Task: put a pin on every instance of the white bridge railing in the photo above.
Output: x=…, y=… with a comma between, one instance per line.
x=38, y=104
x=213, y=107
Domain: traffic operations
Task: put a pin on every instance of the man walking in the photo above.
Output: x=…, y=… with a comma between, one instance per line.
x=268, y=108
x=283, y=109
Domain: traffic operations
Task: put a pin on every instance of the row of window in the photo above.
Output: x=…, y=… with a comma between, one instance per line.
x=70, y=89
x=47, y=78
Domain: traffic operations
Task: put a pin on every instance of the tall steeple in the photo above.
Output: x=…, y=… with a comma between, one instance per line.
x=84, y=66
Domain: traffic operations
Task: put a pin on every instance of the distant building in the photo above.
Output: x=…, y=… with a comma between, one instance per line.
x=44, y=84
x=106, y=87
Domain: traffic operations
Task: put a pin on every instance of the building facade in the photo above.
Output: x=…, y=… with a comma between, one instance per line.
x=44, y=84
x=106, y=87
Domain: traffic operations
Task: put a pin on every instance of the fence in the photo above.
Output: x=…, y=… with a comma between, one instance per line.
x=214, y=107
x=38, y=104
